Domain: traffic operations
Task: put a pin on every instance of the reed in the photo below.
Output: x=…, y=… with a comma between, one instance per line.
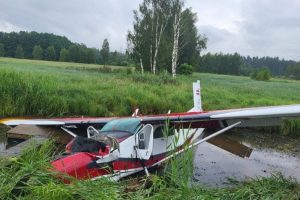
x=30, y=177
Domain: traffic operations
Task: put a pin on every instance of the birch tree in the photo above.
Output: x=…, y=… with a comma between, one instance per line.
x=149, y=25
x=177, y=9
x=161, y=16
x=164, y=35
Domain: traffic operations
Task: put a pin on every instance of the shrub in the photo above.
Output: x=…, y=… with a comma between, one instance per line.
x=261, y=75
x=185, y=69
x=161, y=79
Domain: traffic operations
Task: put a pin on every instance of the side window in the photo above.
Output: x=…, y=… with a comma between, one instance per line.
x=159, y=132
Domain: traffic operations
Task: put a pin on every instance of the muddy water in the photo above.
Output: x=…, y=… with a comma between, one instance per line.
x=271, y=153
x=212, y=166
x=3, y=129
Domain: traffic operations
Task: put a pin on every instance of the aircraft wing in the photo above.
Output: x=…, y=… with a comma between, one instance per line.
x=55, y=121
x=249, y=117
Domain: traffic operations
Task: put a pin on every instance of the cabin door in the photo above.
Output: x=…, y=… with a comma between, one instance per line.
x=144, y=140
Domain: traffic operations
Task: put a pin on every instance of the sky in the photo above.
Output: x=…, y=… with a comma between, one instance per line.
x=249, y=27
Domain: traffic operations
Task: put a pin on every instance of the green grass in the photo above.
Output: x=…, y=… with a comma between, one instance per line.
x=42, y=88
x=27, y=178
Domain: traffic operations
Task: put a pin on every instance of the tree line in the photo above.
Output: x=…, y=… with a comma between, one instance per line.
x=46, y=46
x=164, y=38
x=236, y=64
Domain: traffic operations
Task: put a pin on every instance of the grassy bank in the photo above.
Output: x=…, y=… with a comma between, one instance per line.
x=42, y=88
x=25, y=178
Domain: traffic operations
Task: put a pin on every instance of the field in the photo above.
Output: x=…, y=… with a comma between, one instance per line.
x=41, y=88
x=48, y=89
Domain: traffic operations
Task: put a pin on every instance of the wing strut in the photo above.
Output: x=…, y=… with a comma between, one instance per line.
x=214, y=135
x=68, y=131
x=200, y=141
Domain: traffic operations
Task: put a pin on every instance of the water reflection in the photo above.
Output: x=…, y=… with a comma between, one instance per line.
x=213, y=165
x=3, y=130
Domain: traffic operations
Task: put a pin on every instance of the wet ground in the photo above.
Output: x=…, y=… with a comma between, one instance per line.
x=213, y=166
x=272, y=153
x=3, y=142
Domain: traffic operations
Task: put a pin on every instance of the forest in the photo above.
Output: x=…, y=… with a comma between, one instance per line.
x=164, y=38
x=47, y=46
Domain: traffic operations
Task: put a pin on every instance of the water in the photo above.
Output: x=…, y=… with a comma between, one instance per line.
x=271, y=154
x=3, y=130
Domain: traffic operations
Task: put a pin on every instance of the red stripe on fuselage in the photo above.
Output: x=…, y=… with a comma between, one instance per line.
x=133, y=163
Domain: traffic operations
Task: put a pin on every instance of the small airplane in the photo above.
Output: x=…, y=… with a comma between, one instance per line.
x=119, y=147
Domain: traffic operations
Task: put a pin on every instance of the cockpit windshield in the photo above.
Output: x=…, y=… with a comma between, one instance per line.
x=121, y=125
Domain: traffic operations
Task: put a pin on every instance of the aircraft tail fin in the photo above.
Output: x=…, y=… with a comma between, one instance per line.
x=197, y=97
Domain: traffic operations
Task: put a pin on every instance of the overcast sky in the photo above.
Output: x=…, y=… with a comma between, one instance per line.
x=249, y=27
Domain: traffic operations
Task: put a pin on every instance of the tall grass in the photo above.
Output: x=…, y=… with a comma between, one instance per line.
x=291, y=127
x=30, y=177
x=48, y=89
x=176, y=183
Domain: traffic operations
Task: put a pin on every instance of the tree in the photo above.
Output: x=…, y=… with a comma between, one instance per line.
x=149, y=26
x=91, y=57
x=64, y=55
x=275, y=65
x=74, y=53
x=83, y=54
x=105, y=51
x=221, y=63
x=37, y=52
x=149, y=43
x=176, y=33
x=2, y=51
x=293, y=71
x=185, y=69
x=50, y=53
x=160, y=15
x=190, y=41
x=19, y=53
x=27, y=40
x=262, y=74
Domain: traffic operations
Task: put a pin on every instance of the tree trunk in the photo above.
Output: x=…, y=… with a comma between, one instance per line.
x=151, y=47
x=142, y=67
x=151, y=57
x=176, y=27
x=157, y=43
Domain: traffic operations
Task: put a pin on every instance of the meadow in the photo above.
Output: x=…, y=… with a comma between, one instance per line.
x=48, y=89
